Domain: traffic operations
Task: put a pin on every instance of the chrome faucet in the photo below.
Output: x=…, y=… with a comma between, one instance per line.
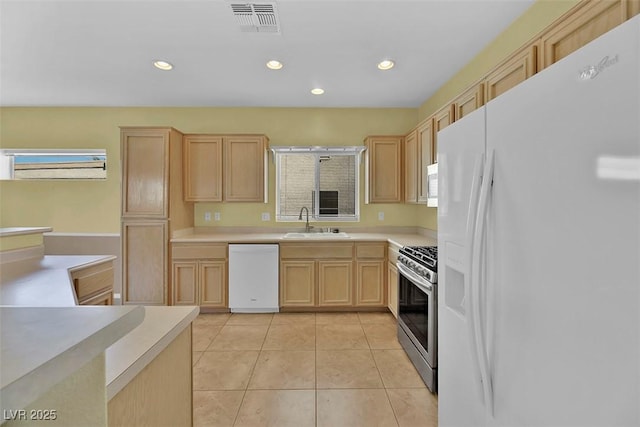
x=307, y=227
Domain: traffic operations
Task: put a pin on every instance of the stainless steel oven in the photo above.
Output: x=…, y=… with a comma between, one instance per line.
x=417, y=310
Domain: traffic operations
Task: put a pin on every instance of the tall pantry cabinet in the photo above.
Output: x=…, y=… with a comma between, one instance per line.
x=152, y=208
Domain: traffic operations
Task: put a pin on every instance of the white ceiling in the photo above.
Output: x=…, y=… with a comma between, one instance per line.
x=100, y=53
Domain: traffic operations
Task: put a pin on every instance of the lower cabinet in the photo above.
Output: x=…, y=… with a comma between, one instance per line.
x=334, y=283
x=332, y=275
x=392, y=280
x=199, y=275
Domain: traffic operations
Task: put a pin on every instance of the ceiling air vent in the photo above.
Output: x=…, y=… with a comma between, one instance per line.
x=256, y=17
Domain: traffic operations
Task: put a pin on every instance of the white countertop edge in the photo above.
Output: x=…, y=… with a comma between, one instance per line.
x=125, y=359
x=28, y=388
x=99, y=259
x=21, y=231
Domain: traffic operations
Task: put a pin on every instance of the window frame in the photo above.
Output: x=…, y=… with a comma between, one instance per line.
x=314, y=210
x=8, y=163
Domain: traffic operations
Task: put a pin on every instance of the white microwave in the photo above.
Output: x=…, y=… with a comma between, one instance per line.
x=432, y=185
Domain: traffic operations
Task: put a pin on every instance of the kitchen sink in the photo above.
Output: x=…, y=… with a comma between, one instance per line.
x=340, y=235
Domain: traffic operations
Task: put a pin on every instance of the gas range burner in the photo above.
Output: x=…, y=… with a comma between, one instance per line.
x=421, y=260
x=426, y=256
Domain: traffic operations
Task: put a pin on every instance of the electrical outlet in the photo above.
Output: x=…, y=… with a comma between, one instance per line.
x=380, y=216
x=216, y=216
x=266, y=216
x=207, y=216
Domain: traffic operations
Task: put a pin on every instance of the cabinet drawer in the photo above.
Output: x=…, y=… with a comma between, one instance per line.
x=316, y=250
x=104, y=298
x=92, y=280
x=370, y=250
x=198, y=250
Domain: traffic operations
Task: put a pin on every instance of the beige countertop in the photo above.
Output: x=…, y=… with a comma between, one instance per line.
x=132, y=353
x=399, y=239
x=43, y=282
x=41, y=346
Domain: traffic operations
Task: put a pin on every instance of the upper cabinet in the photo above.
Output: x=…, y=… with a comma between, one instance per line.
x=516, y=69
x=244, y=168
x=145, y=168
x=426, y=156
x=589, y=20
x=384, y=169
x=411, y=162
x=203, y=168
x=470, y=100
x=441, y=119
x=227, y=168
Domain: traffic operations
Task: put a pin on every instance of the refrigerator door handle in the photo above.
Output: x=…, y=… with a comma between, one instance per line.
x=470, y=285
x=479, y=330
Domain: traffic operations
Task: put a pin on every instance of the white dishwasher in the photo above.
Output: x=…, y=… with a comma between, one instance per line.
x=253, y=278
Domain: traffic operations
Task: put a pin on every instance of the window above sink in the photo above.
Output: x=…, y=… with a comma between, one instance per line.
x=325, y=180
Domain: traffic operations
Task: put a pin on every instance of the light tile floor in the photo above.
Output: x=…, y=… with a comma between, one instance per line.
x=305, y=369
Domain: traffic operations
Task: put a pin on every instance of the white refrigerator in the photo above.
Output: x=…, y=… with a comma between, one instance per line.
x=539, y=248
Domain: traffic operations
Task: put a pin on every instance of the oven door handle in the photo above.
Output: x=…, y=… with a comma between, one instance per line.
x=420, y=282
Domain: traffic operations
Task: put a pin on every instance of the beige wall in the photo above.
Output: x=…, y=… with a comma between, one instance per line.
x=528, y=25
x=90, y=206
x=82, y=206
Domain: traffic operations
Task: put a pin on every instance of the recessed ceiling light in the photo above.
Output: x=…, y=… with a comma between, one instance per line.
x=387, y=64
x=317, y=91
x=274, y=64
x=162, y=65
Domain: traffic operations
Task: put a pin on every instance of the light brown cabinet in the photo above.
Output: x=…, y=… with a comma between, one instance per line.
x=297, y=283
x=144, y=262
x=202, y=168
x=228, y=168
x=468, y=101
x=589, y=20
x=516, y=69
x=384, y=167
x=441, y=119
x=370, y=274
x=338, y=275
x=334, y=283
x=426, y=156
x=316, y=275
x=93, y=285
x=199, y=274
x=411, y=164
x=152, y=208
x=392, y=281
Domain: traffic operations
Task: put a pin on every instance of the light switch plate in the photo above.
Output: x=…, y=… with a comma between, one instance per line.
x=216, y=216
x=266, y=216
x=207, y=216
x=380, y=216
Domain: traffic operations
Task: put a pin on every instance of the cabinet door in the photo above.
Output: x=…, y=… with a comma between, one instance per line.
x=145, y=169
x=384, y=169
x=244, y=165
x=297, y=284
x=202, y=156
x=512, y=72
x=213, y=284
x=392, y=286
x=184, y=283
x=144, y=262
x=426, y=156
x=334, y=283
x=584, y=25
x=370, y=288
x=411, y=167
x=470, y=100
x=441, y=119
